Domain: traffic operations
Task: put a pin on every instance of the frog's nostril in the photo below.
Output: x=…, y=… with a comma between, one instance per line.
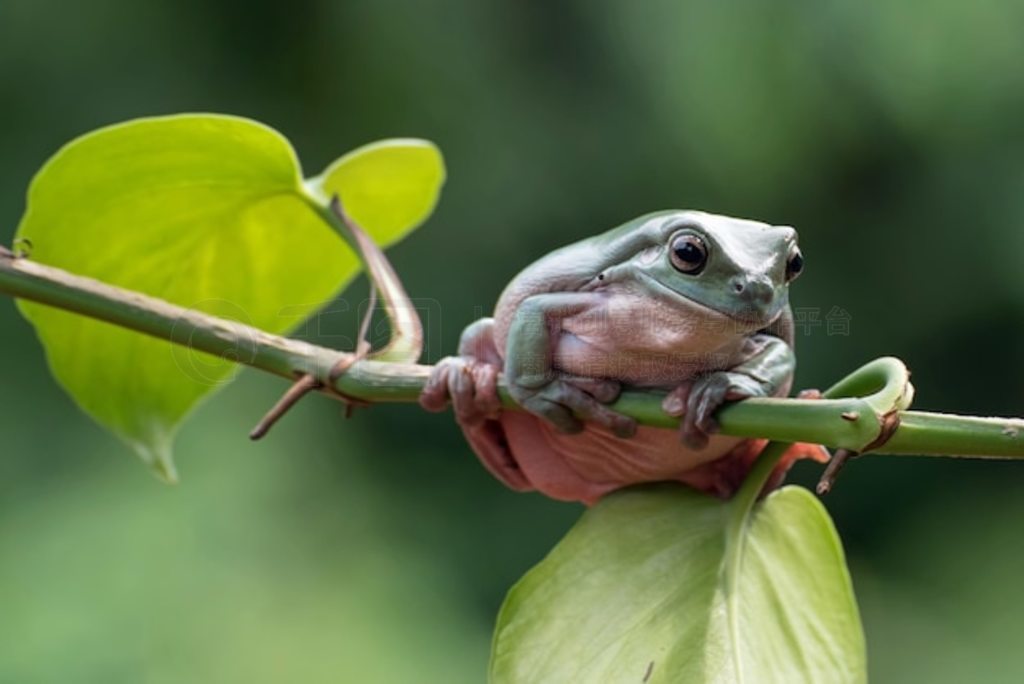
x=753, y=289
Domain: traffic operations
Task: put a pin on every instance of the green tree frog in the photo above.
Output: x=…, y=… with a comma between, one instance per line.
x=687, y=302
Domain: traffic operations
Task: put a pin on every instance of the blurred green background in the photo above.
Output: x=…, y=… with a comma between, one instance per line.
x=376, y=549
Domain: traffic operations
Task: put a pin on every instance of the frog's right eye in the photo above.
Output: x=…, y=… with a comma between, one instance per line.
x=688, y=254
x=794, y=264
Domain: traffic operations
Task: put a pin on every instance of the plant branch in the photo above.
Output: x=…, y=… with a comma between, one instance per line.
x=852, y=422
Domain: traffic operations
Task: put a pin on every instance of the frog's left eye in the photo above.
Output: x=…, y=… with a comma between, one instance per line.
x=795, y=264
x=688, y=254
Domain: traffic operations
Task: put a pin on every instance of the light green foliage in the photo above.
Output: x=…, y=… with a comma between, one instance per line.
x=390, y=185
x=649, y=584
x=209, y=212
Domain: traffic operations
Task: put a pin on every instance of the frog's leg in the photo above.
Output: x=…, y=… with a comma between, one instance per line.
x=767, y=371
x=470, y=380
x=536, y=384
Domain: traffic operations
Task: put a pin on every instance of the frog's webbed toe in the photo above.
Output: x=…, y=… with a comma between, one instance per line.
x=469, y=380
x=434, y=395
x=698, y=400
x=604, y=390
x=569, y=402
x=470, y=385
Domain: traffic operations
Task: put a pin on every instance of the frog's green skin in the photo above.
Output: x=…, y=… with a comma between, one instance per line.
x=618, y=309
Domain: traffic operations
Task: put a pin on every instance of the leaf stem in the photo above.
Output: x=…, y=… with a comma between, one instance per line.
x=852, y=422
x=883, y=388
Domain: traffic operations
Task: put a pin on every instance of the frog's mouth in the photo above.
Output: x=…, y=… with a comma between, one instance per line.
x=745, y=317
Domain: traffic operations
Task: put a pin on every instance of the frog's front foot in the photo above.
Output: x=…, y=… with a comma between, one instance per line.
x=697, y=401
x=568, y=401
x=472, y=386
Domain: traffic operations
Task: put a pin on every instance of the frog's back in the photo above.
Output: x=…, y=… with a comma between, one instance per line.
x=571, y=268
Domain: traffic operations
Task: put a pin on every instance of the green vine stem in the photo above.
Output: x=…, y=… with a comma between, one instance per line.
x=853, y=414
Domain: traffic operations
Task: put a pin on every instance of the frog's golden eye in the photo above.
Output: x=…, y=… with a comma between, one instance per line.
x=795, y=264
x=689, y=254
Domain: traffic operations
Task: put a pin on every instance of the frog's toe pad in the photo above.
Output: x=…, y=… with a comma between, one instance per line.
x=699, y=399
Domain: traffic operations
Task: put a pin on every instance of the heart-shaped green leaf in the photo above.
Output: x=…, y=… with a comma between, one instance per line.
x=664, y=584
x=391, y=185
x=209, y=212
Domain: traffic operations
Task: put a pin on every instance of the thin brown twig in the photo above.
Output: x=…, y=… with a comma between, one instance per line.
x=308, y=383
x=300, y=388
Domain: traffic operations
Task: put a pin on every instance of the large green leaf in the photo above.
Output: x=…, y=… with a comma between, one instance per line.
x=664, y=584
x=209, y=212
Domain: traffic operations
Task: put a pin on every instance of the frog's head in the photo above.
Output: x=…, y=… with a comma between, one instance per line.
x=737, y=267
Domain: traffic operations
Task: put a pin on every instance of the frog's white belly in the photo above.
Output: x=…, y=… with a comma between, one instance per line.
x=590, y=464
x=645, y=342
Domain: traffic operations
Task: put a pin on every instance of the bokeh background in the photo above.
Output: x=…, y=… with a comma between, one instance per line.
x=376, y=549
